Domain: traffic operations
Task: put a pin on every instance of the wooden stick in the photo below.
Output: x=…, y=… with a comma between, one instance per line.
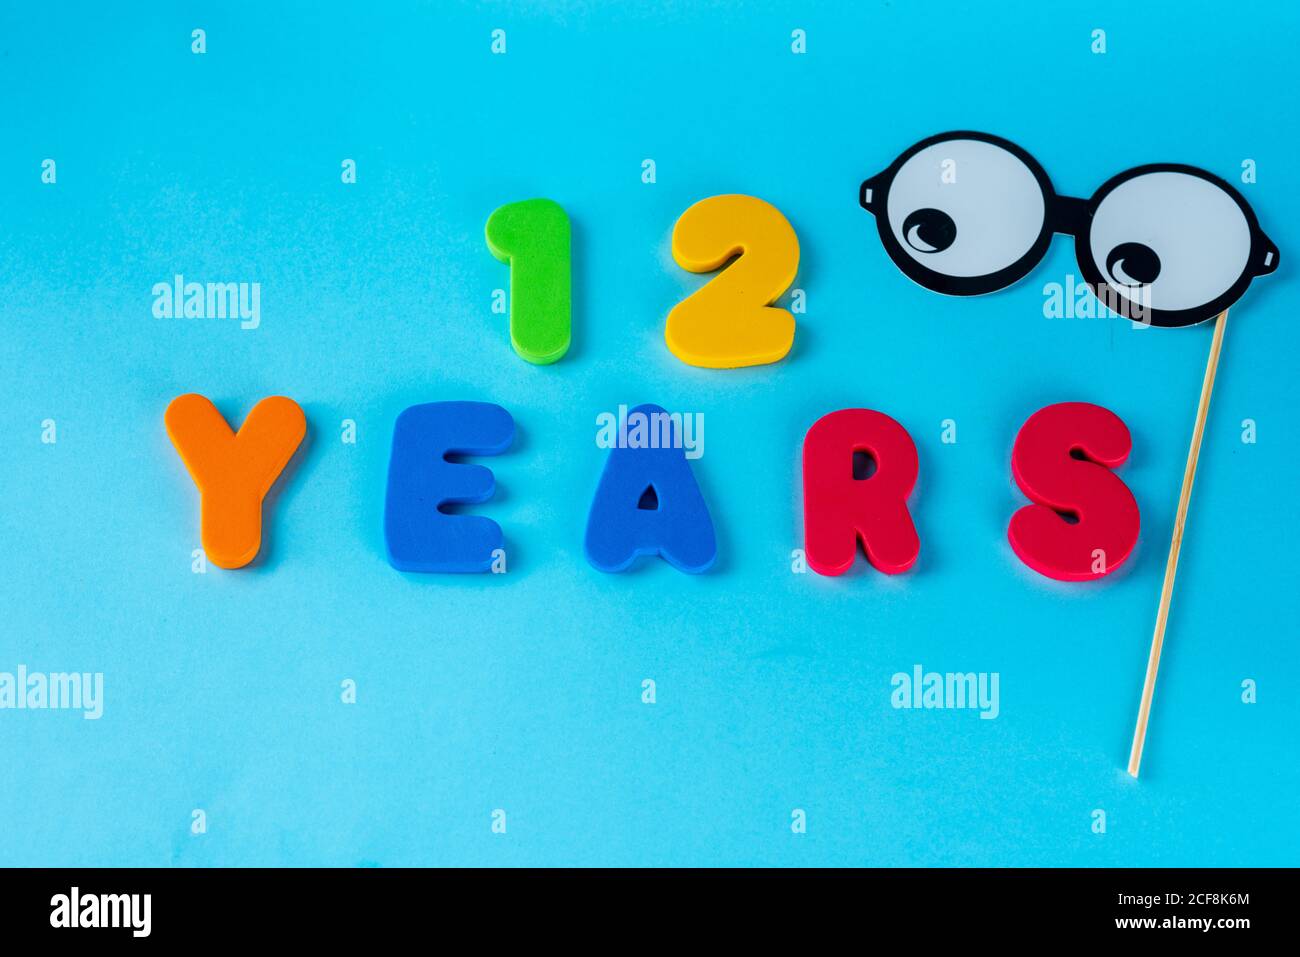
x=1171, y=566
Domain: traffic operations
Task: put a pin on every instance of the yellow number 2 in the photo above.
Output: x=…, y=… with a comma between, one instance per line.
x=731, y=322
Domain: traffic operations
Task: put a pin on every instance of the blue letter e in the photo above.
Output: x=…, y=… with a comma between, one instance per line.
x=419, y=536
x=647, y=502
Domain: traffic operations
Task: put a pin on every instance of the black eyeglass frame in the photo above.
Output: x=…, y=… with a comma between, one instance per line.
x=1067, y=216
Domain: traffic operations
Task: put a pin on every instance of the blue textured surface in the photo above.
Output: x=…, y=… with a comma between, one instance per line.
x=523, y=691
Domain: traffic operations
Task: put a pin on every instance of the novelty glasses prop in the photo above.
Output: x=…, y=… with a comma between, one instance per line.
x=1169, y=245
x=967, y=213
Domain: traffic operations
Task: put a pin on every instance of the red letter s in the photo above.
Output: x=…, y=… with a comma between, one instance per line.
x=1062, y=460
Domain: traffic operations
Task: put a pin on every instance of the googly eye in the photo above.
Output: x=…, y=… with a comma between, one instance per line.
x=967, y=211
x=1169, y=241
x=929, y=230
x=1133, y=264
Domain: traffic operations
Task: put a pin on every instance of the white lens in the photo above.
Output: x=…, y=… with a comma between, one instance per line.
x=1169, y=240
x=965, y=208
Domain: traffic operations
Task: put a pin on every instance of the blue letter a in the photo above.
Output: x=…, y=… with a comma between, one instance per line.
x=419, y=536
x=648, y=503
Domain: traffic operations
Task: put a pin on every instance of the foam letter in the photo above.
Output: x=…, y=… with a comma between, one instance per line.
x=839, y=509
x=419, y=536
x=1062, y=460
x=648, y=503
x=234, y=471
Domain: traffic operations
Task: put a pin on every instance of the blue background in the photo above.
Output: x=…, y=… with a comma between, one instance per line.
x=523, y=691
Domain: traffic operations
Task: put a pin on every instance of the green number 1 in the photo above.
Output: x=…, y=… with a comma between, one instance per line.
x=533, y=237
